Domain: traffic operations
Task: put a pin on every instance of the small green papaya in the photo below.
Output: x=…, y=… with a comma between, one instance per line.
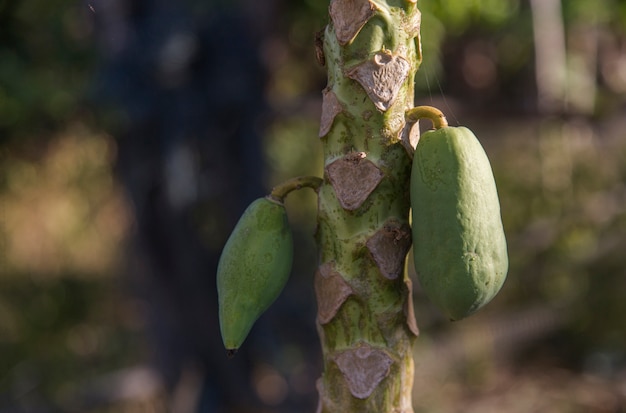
x=253, y=269
x=459, y=244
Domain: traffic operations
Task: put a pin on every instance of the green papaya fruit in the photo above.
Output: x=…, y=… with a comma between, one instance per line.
x=253, y=269
x=459, y=244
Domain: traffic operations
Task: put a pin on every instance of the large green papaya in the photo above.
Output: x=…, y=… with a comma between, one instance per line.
x=459, y=244
x=253, y=269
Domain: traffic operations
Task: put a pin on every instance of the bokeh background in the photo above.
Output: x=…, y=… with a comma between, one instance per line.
x=133, y=134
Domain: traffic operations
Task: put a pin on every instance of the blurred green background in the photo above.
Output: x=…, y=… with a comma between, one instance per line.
x=132, y=134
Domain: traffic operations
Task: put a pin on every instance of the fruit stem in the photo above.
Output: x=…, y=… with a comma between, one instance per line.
x=281, y=191
x=433, y=114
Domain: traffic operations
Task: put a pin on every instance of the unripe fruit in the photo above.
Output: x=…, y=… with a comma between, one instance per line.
x=253, y=269
x=459, y=244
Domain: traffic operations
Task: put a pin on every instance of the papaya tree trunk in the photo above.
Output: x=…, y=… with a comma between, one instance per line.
x=365, y=315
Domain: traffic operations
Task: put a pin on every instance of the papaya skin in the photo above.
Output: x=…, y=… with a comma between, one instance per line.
x=459, y=244
x=253, y=269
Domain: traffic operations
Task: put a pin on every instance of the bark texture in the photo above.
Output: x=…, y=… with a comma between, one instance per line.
x=365, y=315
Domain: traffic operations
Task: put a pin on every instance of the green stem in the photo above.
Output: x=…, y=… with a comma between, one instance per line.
x=280, y=192
x=365, y=316
x=427, y=112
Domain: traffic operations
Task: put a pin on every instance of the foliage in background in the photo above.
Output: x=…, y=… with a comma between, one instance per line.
x=63, y=319
x=45, y=59
x=62, y=209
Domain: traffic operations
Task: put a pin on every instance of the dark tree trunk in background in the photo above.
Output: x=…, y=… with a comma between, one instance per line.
x=187, y=87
